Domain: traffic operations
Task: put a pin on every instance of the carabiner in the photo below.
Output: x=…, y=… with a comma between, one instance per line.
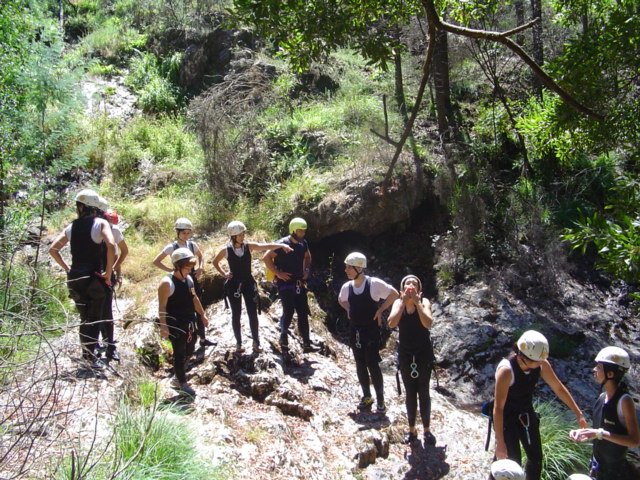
x=414, y=368
x=525, y=424
x=358, y=345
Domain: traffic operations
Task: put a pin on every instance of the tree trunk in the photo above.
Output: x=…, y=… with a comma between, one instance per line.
x=519, y=6
x=537, y=47
x=444, y=109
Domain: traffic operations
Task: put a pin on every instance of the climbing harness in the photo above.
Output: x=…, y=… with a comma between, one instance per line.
x=414, y=368
x=525, y=420
x=593, y=467
x=238, y=291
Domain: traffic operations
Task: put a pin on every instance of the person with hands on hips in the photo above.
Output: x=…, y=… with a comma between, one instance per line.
x=515, y=421
x=239, y=280
x=412, y=314
x=361, y=297
x=615, y=424
x=178, y=304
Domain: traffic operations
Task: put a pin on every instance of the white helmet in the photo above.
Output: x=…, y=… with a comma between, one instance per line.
x=88, y=197
x=236, y=228
x=506, y=469
x=404, y=280
x=181, y=254
x=103, y=204
x=356, y=259
x=183, y=224
x=534, y=346
x=579, y=476
x=614, y=355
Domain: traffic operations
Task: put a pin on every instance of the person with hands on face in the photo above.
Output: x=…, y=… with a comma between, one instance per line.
x=515, y=421
x=89, y=276
x=291, y=270
x=178, y=304
x=184, y=231
x=361, y=297
x=614, y=419
x=412, y=314
x=240, y=282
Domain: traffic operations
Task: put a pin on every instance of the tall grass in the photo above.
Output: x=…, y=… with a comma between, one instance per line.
x=561, y=456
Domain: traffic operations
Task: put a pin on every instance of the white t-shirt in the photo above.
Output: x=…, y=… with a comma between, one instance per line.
x=505, y=363
x=238, y=251
x=96, y=230
x=169, y=248
x=118, y=236
x=378, y=289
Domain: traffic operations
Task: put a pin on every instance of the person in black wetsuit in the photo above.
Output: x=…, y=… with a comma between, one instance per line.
x=240, y=282
x=184, y=231
x=412, y=314
x=291, y=270
x=515, y=422
x=615, y=424
x=177, y=306
x=89, y=275
x=360, y=297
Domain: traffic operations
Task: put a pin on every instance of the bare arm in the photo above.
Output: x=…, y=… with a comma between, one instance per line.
x=216, y=263
x=393, y=295
x=396, y=313
x=124, y=251
x=549, y=376
x=503, y=380
x=424, y=312
x=158, y=262
x=107, y=238
x=306, y=264
x=200, y=269
x=269, y=263
x=198, y=306
x=60, y=241
x=163, y=295
x=631, y=439
x=261, y=247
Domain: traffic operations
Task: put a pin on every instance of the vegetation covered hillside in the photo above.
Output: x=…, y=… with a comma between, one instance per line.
x=463, y=141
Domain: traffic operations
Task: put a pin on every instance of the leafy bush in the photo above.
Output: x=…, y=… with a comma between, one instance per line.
x=152, y=79
x=561, y=456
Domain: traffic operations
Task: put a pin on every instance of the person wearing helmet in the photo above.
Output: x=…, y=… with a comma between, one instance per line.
x=184, y=230
x=239, y=280
x=515, y=421
x=615, y=424
x=178, y=304
x=412, y=314
x=506, y=469
x=122, y=250
x=89, y=275
x=365, y=299
x=291, y=270
x=579, y=476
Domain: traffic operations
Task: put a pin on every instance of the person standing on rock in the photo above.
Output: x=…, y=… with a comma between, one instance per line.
x=614, y=419
x=361, y=297
x=515, y=421
x=291, y=270
x=240, y=282
x=122, y=250
x=184, y=230
x=178, y=304
x=412, y=314
x=89, y=275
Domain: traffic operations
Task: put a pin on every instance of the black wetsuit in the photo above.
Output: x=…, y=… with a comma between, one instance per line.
x=415, y=348
x=293, y=292
x=199, y=324
x=610, y=459
x=242, y=284
x=365, y=341
x=518, y=415
x=87, y=289
x=181, y=319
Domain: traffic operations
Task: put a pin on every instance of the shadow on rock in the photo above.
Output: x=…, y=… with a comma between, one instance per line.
x=427, y=463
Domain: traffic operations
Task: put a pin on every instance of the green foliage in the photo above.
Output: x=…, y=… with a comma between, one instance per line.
x=112, y=40
x=309, y=31
x=148, y=445
x=164, y=142
x=151, y=79
x=561, y=455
